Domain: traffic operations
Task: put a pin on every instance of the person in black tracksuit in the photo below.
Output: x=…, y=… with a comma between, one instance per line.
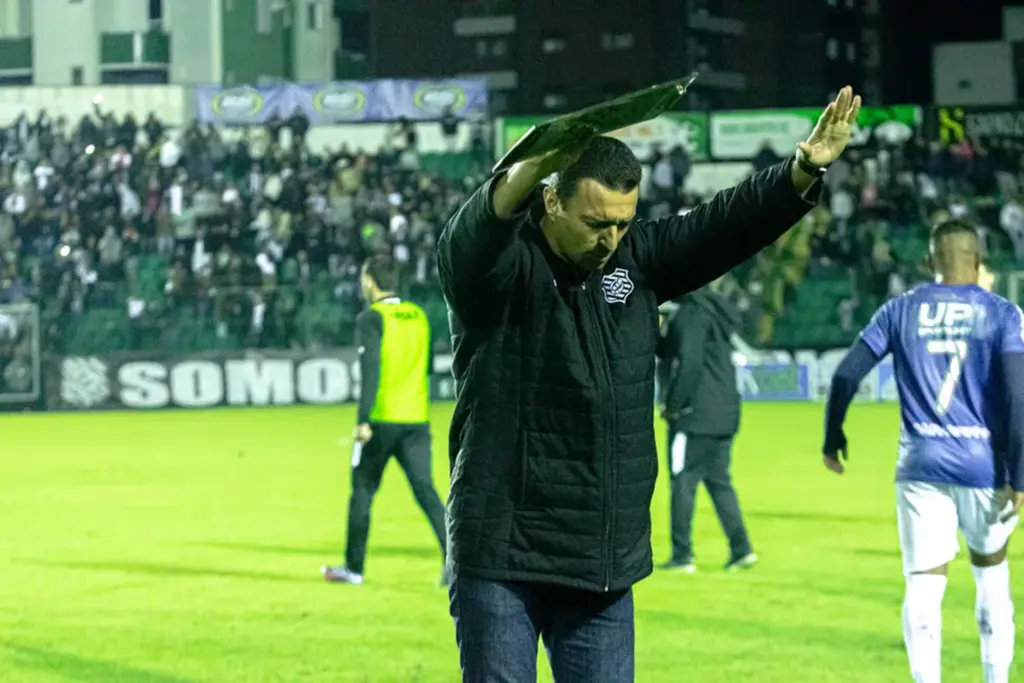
x=701, y=404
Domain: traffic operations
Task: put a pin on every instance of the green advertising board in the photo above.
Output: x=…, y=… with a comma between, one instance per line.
x=689, y=129
x=741, y=134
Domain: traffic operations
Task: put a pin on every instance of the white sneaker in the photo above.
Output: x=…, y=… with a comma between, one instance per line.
x=745, y=562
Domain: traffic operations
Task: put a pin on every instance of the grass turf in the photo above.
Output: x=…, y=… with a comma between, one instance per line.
x=179, y=547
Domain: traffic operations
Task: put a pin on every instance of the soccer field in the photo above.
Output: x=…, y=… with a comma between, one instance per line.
x=175, y=547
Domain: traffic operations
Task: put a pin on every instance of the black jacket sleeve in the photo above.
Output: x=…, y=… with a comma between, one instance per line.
x=477, y=255
x=369, y=332
x=850, y=373
x=690, y=333
x=682, y=253
x=1013, y=378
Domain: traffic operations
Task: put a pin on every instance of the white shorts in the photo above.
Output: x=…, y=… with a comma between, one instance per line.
x=928, y=516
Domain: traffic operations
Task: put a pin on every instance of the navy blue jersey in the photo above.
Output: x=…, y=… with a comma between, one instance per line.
x=947, y=342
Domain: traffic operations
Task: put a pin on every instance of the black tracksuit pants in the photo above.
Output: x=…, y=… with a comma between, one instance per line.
x=693, y=459
x=410, y=445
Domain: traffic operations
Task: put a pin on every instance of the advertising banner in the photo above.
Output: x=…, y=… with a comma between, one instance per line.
x=138, y=381
x=955, y=124
x=233, y=378
x=20, y=381
x=341, y=102
x=133, y=381
x=809, y=381
x=741, y=134
x=688, y=129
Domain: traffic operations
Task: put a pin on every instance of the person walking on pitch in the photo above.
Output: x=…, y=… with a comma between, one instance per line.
x=393, y=337
x=958, y=359
x=701, y=405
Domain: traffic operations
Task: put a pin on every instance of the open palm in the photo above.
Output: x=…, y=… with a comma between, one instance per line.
x=832, y=134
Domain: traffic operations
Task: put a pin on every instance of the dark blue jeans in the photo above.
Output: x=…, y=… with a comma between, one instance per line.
x=588, y=636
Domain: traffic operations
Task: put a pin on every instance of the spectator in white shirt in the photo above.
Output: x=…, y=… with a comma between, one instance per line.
x=170, y=153
x=43, y=174
x=131, y=205
x=176, y=197
x=16, y=203
x=1011, y=220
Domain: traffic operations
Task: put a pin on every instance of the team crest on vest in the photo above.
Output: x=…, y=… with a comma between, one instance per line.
x=617, y=286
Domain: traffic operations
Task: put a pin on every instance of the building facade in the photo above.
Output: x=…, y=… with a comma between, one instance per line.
x=90, y=42
x=552, y=56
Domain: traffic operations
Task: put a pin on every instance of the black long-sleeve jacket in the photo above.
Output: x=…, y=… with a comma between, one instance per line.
x=700, y=394
x=553, y=458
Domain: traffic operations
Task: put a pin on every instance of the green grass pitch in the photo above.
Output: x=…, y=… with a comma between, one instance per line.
x=180, y=547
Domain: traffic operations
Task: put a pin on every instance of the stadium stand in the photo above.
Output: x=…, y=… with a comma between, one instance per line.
x=131, y=236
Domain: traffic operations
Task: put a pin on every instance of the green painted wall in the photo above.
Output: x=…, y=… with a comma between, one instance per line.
x=248, y=55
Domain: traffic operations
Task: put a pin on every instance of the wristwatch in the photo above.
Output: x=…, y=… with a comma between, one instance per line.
x=809, y=168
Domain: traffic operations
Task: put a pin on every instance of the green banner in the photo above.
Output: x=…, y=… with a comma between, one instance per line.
x=741, y=134
x=689, y=129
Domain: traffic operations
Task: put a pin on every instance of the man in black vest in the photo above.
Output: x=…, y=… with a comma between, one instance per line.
x=701, y=404
x=553, y=295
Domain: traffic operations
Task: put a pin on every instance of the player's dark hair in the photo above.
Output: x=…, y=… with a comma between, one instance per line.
x=608, y=161
x=383, y=271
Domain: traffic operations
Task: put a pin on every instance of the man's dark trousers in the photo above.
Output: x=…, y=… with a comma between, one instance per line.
x=410, y=445
x=693, y=459
x=588, y=636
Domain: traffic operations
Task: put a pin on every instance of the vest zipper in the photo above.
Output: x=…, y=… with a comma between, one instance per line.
x=608, y=513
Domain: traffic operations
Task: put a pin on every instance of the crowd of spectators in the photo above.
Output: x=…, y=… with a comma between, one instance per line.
x=231, y=213
x=876, y=196
x=235, y=214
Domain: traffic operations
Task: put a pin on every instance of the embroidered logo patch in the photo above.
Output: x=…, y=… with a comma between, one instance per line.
x=617, y=286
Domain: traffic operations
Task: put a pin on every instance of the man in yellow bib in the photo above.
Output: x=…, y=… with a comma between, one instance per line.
x=393, y=337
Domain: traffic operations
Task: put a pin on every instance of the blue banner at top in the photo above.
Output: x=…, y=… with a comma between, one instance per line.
x=342, y=101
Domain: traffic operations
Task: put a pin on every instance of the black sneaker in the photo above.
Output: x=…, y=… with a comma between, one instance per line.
x=683, y=566
x=739, y=563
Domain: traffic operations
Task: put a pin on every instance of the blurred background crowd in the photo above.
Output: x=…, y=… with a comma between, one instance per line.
x=128, y=234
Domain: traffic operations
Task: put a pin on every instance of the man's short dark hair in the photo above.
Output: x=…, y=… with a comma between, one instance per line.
x=605, y=159
x=383, y=271
x=953, y=227
x=954, y=240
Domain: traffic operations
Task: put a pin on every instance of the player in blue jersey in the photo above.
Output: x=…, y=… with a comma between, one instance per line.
x=958, y=356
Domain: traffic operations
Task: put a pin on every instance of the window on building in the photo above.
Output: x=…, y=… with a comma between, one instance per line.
x=851, y=52
x=498, y=100
x=555, y=98
x=616, y=41
x=77, y=75
x=314, y=18
x=499, y=47
x=832, y=3
x=553, y=41
x=832, y=48
x=481, y=48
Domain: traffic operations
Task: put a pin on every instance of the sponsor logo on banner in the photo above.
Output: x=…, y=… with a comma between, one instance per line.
x=433, y=98
x=272, y=378
x=774, y=382
x=741, y=134
x=688, y=130
x=954, y=124
x=206, y=381
x=340, y=101
x=237, y=103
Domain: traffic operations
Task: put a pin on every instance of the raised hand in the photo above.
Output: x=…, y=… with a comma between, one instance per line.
x=832, y=134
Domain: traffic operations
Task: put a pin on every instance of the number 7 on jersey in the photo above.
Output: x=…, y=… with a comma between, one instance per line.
x=957, y=351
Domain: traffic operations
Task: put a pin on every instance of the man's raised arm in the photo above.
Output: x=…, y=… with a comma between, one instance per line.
x=477, y=255
x=682, y=253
